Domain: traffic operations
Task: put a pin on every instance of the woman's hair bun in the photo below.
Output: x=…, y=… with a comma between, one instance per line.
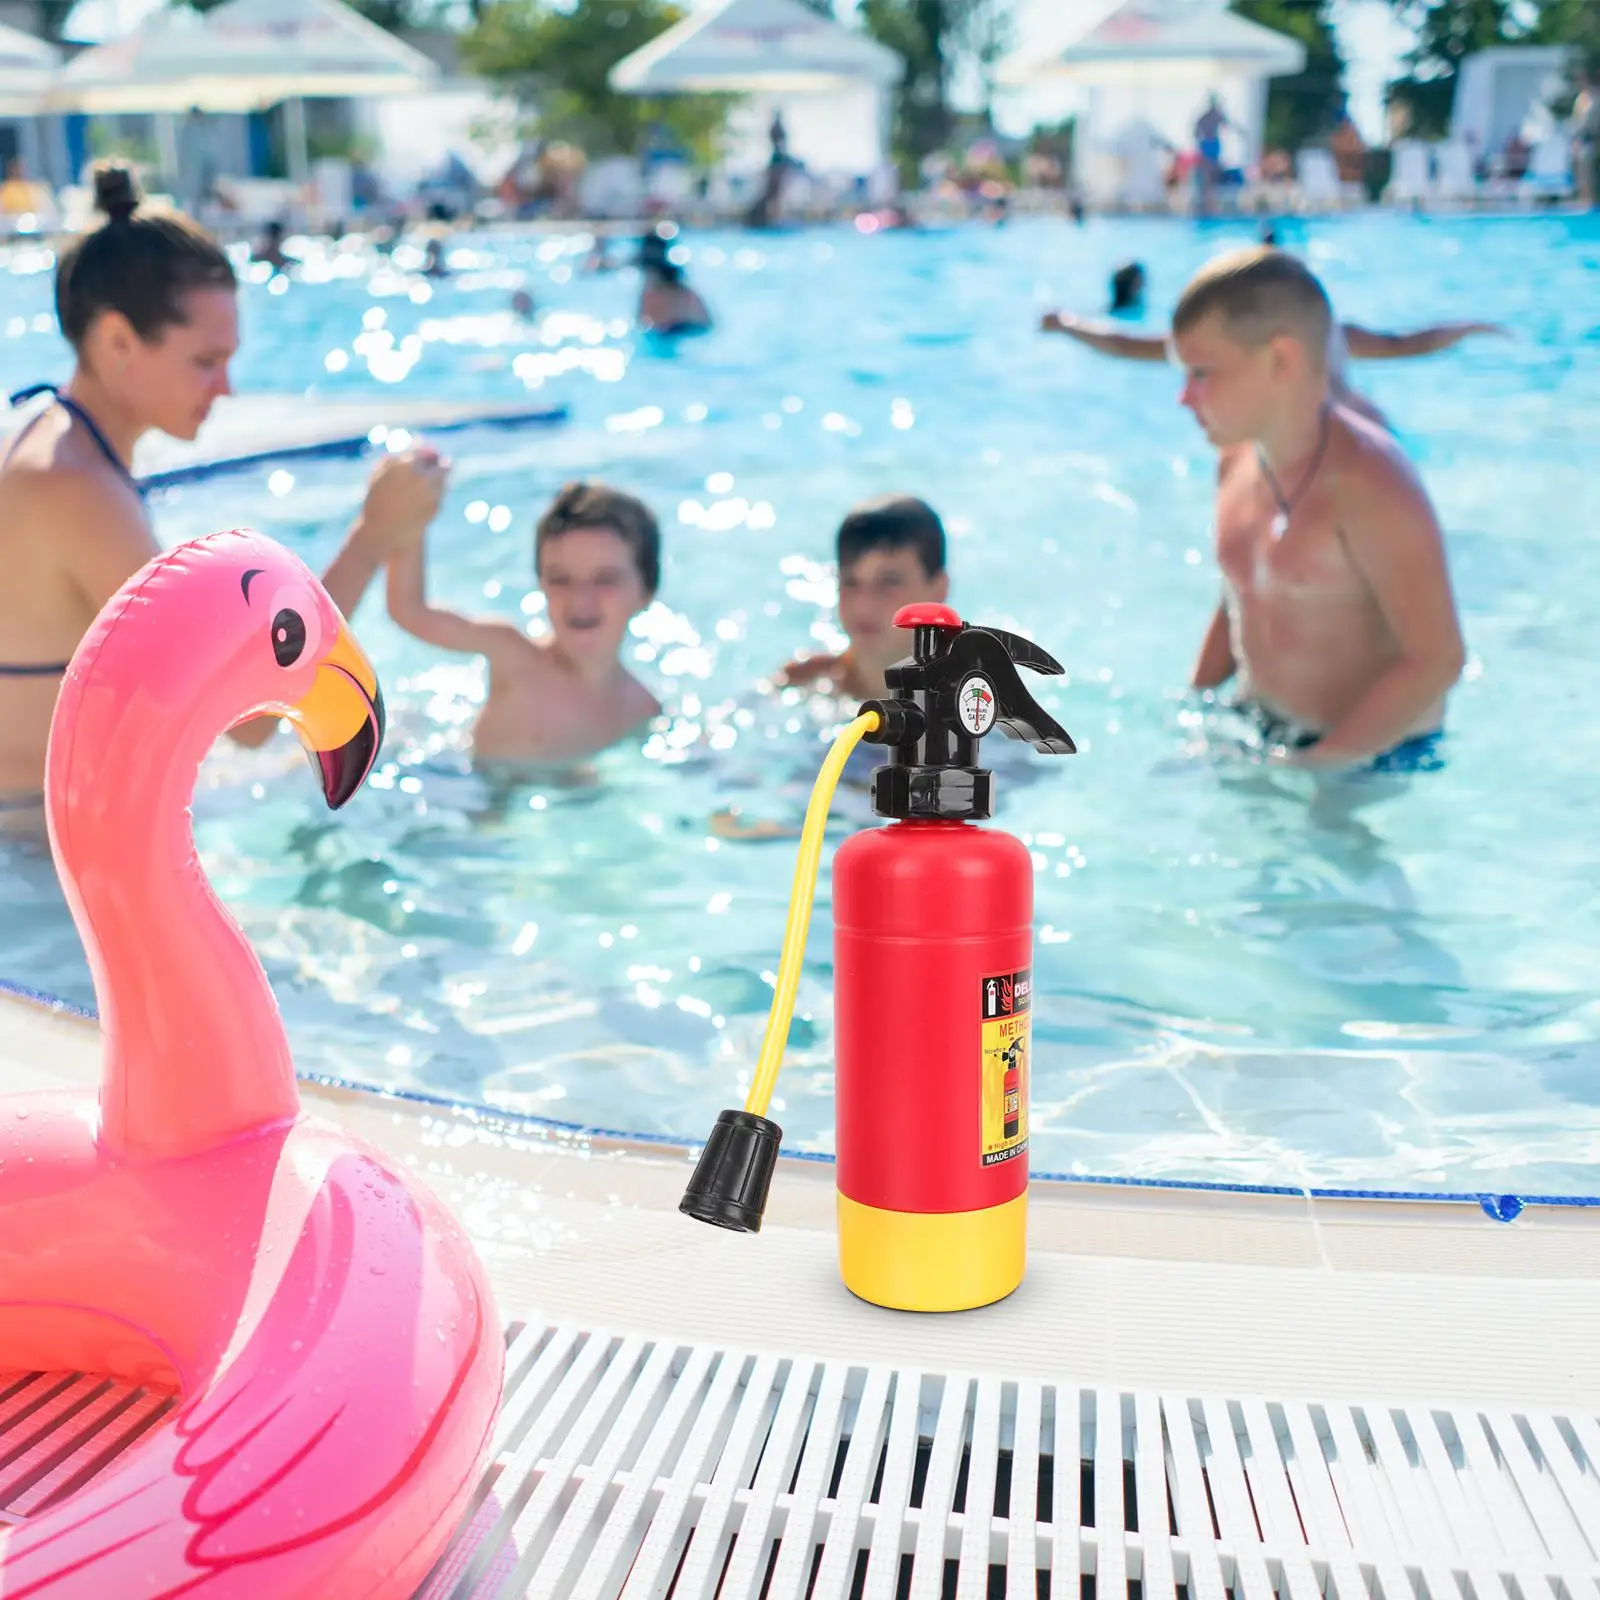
x=116, y=190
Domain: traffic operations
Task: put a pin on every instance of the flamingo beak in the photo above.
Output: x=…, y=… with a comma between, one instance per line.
x=340, y=719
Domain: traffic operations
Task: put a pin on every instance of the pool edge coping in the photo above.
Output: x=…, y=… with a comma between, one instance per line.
x=1498, y=1207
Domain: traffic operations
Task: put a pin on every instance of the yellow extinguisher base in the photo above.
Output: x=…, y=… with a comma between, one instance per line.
x=933, y=1260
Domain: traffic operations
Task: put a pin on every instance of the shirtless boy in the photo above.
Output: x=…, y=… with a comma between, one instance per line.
x=890, y=554
x=1336, y=616
x=597, y=554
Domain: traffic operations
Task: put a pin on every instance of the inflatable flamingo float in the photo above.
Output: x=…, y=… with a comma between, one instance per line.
x=322, y=1317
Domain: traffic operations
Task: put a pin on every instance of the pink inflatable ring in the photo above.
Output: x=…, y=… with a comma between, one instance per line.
x=323, y=1319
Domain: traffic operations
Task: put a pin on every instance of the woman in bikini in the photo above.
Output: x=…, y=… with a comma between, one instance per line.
x=147, y=301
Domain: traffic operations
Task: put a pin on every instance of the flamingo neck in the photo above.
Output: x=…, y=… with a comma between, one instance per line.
x=194, y=1053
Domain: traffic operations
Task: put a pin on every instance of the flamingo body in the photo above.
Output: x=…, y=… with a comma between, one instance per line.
x=322, y=1317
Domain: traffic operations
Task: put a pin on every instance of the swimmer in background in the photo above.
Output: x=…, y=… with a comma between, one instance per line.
x=558, y=699
x=268, y=249
x=599, y=258
x=148, y=302
x=1337, y=616
x=891, y=553
x=886, y=219
x=1127, y=290
x=1346, y=341
x=666, y=302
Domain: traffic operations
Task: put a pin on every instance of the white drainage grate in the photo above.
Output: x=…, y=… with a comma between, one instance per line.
x=58, y=1429
x=628, y=1469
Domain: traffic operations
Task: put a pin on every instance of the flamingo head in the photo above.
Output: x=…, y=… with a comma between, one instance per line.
x=209, y=634
x=300, y=659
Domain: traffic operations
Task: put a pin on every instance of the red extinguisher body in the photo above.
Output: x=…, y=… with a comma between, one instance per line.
x=933, y=955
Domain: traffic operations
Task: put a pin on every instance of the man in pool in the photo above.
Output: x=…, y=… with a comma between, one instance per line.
x=597, y=554
x=890, y=554
x=1336, y=616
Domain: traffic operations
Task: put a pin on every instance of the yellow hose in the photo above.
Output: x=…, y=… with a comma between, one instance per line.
x=801, y=895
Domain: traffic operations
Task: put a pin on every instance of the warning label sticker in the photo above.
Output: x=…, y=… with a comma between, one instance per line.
x=1007, y=1019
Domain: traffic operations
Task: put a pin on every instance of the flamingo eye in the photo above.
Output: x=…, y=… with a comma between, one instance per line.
x=288, y=637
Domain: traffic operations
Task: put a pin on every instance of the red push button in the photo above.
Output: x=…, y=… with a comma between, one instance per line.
x=926, y=614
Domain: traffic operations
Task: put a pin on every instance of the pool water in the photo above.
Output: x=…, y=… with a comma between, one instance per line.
x=1241, y=975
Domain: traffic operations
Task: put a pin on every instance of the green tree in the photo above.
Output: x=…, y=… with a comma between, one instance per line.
x=1575, y=23
x=558, y=61
x=1306, y=106
x=1448, y=31
x=936, y=39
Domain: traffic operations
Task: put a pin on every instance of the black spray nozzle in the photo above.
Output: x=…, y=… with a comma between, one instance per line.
x=734, y=1172
x=958, y=683
x=898, y=720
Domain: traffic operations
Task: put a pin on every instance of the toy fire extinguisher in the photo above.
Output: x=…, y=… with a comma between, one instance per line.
x=933, y=975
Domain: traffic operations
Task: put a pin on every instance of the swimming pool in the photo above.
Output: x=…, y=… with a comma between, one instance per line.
x=1238, y=979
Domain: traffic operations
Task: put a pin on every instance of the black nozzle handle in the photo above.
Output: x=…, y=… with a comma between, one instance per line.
x=1027, y=654
x=984, y=650
x=734, y=1172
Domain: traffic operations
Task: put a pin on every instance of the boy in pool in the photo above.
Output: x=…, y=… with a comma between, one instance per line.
x=1336, y=614
x=890, y=554
x=597, y=555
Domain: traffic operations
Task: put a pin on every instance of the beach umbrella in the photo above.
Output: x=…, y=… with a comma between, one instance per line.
x=245, y=55
x=27, y=66
x=755, y=47
x=1141, y=41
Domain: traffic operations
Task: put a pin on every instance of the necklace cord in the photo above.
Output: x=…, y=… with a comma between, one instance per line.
x=1286, y=505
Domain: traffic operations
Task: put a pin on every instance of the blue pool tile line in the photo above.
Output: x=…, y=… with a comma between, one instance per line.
x=345, y=448
x=1498, y=1207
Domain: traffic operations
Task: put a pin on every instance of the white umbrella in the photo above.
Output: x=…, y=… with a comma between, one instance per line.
x=244, y=56
x=754, y=47
x=1140, y=41
x=26, y=67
